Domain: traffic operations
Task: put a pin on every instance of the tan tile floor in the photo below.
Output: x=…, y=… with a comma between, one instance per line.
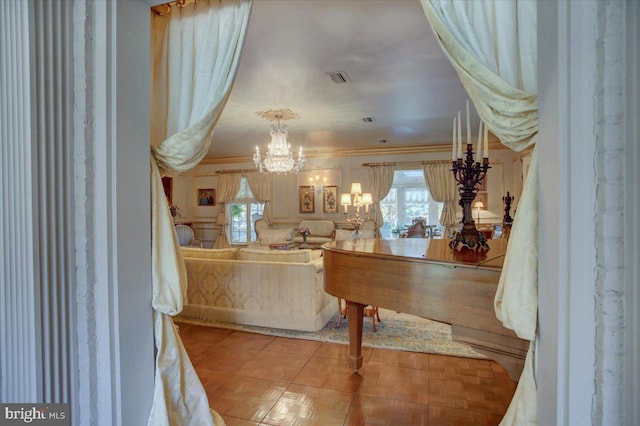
x=252, y=379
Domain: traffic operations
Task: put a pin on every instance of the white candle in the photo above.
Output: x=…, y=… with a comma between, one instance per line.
x=486, y=142
x=453, y=142
x=479, y=145
x=468, y=125
x=459, y=136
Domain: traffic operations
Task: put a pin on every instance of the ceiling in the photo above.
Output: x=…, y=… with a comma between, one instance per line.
x=397, y=74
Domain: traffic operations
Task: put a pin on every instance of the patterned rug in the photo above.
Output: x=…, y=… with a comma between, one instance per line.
x=396, y=331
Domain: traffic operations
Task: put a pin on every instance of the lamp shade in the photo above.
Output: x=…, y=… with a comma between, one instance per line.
x=356, y=188
x=367, y=199
x=345, y=199
x=478, y=205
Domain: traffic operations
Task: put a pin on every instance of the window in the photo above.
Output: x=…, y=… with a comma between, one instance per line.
x=408, y=198
x=243, y=212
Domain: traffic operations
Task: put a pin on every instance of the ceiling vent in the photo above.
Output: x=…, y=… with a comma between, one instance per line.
x=368, y=119
x=339, y=77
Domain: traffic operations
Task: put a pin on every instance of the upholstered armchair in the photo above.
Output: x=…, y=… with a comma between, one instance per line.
x=417, y=230
x=186, y=237
x=260, y=225
x=369, y=229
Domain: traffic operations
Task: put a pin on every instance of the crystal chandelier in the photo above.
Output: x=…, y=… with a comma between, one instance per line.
x=278, y=158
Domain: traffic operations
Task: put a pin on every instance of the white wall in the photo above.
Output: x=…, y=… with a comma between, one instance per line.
x=617, y=395
x=78, y=297
x=567, y=203
x=632, y=207
x=133, y=343
x=588, y=276
x=115, y=338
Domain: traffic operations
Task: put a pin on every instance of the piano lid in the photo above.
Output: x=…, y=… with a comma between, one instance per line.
x=424, y=250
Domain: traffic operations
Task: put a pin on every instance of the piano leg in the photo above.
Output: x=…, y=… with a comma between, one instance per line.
x=355, y=311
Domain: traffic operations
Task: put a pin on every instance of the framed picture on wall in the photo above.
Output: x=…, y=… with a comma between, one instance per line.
x=167, y=185
x=330, y=200
x=206, y=197
x=306, y=199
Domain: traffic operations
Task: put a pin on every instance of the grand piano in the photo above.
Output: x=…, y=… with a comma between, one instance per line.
x=424, y=277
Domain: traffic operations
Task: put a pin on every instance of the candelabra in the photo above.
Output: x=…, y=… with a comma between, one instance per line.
x=507, y=220
x=468, y=174
x=359, y=200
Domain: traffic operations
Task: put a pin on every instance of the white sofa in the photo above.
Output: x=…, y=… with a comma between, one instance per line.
x=322, y=230
x=268, y=288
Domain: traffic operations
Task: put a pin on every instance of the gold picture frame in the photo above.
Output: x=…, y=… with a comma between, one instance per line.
x=306, y=199
x=330, y=200
x=167, y=185
x=206, y=197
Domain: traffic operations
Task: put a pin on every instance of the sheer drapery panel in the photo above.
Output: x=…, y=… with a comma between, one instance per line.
x=260, y=185
x=380, y=180
x=228, y=187
x=443, y=188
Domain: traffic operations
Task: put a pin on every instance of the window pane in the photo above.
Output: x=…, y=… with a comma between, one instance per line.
x=408, y=199
x=238, y=212
x=416, y=204
x=243, y=212
x=256, y=210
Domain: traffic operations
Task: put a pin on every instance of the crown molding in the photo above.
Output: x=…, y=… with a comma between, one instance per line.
x=353, y=152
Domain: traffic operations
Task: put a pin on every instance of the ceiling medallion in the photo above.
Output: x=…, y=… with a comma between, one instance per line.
x=284, y=114
x=278, y=158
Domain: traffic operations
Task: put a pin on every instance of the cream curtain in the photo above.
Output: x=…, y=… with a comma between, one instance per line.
x=228, y=188
x=492, y=46
x=260, y=185
x=442, y=187
x=195, y=51
x=380, y=181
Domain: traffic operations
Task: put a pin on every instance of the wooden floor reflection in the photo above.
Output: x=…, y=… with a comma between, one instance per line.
x=252, y=379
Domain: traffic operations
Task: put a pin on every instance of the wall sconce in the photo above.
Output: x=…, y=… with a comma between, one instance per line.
x=359, y=199
x=315, y=184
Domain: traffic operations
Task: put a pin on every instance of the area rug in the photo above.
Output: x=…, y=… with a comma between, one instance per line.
x=396, y=331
